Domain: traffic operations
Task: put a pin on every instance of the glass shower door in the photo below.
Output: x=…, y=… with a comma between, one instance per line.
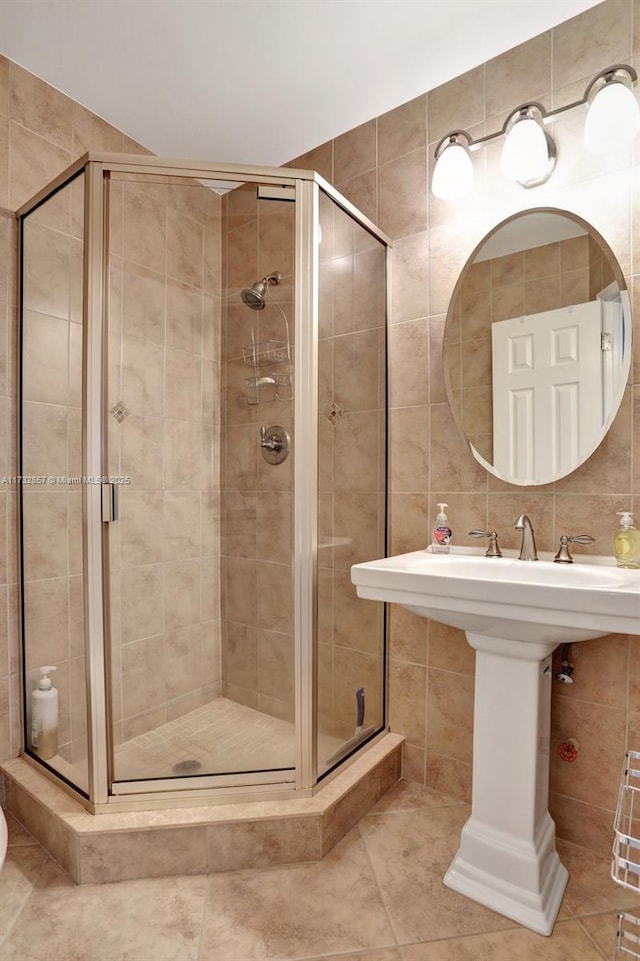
x=201, y=648
x=50, y=483
x=351, y=481
x=257, y=666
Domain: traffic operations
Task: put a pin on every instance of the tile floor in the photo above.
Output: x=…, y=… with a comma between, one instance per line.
x=220, y=737
x=377, y=896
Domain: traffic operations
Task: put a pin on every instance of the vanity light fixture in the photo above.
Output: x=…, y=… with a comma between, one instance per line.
x=453, y=172
x=529, y=152
x=613, y=115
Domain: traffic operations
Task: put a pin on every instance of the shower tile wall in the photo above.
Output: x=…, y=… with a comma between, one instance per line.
x=258, y=655
x=383, y=166
x=351, y=465
x=41, y=132
x=257, y=503
x=164, y=368
x=52, y=459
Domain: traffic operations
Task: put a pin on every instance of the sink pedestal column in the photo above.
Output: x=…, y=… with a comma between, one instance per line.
x=507, y=858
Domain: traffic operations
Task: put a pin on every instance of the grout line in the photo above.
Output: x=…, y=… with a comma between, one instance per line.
x=592, y=939
x=205, y=904
x=4, y=939
x=379, y=886
x=431, y=807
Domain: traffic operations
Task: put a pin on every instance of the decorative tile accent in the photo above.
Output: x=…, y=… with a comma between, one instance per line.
x=334, y=414
x=120, y=411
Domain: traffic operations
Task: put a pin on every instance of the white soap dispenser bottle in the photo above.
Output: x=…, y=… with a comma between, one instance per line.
x=44, y=716
x=441, y=534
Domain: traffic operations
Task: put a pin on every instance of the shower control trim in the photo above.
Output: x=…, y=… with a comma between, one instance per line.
x=274, y=443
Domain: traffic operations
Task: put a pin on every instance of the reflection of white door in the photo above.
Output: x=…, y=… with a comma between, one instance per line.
x=547, y=391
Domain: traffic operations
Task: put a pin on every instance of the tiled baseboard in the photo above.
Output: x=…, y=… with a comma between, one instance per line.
x=199, y=840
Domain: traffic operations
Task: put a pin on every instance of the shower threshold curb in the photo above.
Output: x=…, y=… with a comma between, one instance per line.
x=118, y=846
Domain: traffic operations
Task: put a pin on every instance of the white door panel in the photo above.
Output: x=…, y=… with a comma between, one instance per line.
x=543, y=365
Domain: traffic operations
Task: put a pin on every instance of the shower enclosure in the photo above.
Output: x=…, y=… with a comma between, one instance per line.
x=202, y=457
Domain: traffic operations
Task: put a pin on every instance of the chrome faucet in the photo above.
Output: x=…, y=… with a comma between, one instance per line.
x=528, y=550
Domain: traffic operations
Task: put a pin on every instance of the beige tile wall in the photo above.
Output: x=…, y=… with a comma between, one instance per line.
x=384, y=167
x=257, y=502
x=165, y=311
x=41, y=132
x=52, y=450
x=351, y=463
x=164, y=360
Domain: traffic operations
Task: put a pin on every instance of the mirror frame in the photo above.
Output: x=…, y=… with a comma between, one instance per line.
x=627, y=354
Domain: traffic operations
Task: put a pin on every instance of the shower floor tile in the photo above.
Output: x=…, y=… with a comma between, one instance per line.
x=221, y=737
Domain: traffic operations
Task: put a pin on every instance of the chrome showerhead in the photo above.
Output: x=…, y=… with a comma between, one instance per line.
x=254, y=296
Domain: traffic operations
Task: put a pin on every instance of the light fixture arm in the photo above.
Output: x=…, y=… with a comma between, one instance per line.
x=454, y=136
x=525, y=110
x=607, y=76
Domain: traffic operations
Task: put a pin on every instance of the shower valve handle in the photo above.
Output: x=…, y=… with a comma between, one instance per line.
x=272, y=442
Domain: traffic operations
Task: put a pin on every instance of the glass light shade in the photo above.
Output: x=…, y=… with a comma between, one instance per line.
x=453, y=173
x=525, y=155
x=613, y=119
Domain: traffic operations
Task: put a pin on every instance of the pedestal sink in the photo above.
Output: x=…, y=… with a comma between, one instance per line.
x=514, y=613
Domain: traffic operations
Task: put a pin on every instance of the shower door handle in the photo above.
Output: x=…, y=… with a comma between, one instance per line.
x=109, y=503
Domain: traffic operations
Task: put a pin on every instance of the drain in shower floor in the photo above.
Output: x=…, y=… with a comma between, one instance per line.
x=186, y=767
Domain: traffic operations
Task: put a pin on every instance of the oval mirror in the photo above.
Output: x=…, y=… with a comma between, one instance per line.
x=537, y=346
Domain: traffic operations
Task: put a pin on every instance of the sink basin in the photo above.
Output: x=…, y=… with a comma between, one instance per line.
x=514, y=614
x=503, y=597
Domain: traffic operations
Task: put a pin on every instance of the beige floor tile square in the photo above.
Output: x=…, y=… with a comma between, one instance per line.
x=591, y=889
x=150, y=920
x=408, y=796
x=602, y=928
x=304, y=911
x=22, y=868
x=410, y=853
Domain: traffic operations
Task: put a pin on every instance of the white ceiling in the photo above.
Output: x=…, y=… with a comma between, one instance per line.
x=258, y=81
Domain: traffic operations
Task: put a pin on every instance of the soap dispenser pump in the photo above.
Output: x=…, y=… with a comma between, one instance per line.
x=44, y=716
x=626, y=542
x=441, y=534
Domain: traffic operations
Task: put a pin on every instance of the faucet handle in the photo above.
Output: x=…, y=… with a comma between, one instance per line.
x=563, y=556
x=492, y=550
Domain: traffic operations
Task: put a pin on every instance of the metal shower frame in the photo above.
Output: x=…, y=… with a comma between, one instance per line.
x=302, y=779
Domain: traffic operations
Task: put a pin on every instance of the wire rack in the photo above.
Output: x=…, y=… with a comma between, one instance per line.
x=627, y=937
x=625, y=861
x=265, y=352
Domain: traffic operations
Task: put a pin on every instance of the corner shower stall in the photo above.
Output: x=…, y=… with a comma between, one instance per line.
x=202, y=457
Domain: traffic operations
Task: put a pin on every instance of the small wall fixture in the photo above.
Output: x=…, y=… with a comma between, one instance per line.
x=453, y=172
x=613, y=117
x=529, y=151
